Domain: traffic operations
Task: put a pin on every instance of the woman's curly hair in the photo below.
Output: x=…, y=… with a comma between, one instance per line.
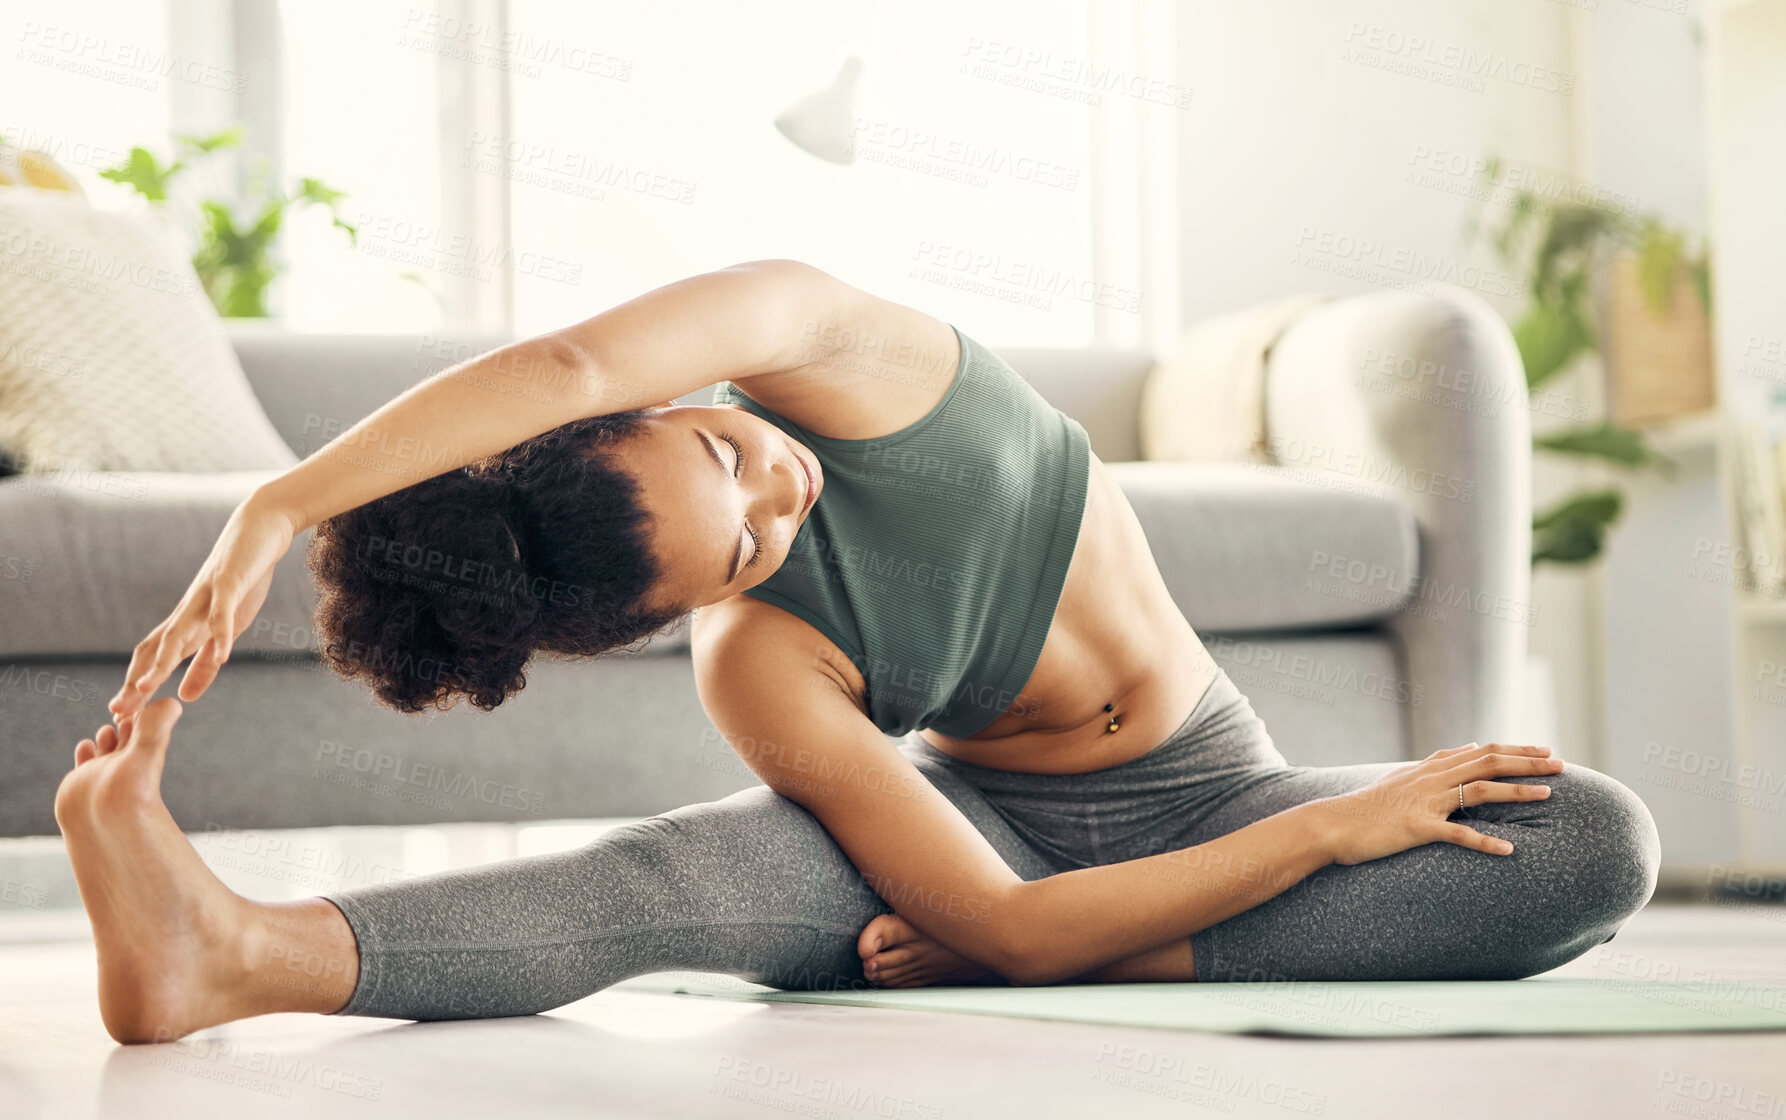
x=447, y=588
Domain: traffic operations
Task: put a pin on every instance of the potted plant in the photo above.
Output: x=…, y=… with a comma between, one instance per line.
x=235, y=259
x=1578, y=257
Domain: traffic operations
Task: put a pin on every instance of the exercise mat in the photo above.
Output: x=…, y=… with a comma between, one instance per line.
x=1375, y=1009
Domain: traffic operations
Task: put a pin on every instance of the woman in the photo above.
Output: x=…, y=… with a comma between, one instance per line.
x=992, y=748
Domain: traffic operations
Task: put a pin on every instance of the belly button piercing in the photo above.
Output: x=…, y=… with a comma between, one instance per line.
x=1113, y=724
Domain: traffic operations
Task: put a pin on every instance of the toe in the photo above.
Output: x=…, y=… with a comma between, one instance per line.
x=154, y=726
x=106, y=741
x=877, y=934
x=893, y=958
x=83, y=751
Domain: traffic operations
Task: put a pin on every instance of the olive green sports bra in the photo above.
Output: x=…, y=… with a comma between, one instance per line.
x=935, y=556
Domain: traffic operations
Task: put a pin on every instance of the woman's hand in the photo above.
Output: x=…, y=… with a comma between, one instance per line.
x=1409, y=806
x=223, y=599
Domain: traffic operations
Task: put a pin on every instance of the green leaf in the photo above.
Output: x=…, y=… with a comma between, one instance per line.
x=1607, y=441
x=1700, y=270
x=1574, y=530
x=1549, y=337
x=227, y=138
x=315, y=190
x=1659, y=255
x=1598, y=506
x=267, y=228
x=144, y=172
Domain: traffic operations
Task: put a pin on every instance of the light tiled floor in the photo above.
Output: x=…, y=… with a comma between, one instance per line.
x=631, y=1053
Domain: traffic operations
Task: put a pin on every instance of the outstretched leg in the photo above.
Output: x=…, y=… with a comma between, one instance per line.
x=751, y=885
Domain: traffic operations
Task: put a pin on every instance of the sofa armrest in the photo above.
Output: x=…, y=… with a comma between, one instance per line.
x=1424, y=396
x=315, y=386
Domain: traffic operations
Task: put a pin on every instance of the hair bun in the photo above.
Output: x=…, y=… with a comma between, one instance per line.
x=482, y=585
x=448, y=588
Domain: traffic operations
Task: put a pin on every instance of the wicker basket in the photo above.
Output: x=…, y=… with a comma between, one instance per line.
x=1658, y=364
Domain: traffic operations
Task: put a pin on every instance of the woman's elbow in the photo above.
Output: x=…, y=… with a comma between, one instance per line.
x=1023, y=958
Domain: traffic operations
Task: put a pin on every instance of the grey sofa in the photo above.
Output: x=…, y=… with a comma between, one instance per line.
x=1400, y=426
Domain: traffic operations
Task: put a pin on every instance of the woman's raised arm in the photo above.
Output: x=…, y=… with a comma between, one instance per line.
x=733, y=323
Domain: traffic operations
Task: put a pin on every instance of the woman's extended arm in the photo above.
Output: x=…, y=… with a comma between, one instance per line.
x=798, y=730
x=732, y=324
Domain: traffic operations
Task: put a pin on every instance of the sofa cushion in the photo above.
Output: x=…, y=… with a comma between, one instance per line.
x=91, y=561
x=1249, y=547
x=111, y=356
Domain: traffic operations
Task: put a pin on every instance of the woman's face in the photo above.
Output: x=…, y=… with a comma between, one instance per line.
x=726, y=493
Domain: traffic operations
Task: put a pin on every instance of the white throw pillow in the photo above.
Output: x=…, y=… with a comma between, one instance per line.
x=111, y=356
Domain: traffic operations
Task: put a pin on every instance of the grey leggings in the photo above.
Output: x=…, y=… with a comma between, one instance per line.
x=752, y=885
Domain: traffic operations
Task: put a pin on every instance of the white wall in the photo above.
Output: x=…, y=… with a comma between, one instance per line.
x=1290, y=129
x=1312, y=120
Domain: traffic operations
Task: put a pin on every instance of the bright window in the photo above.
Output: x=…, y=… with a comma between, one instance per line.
x=361, y=112
x=642, y=149
x=86, y=81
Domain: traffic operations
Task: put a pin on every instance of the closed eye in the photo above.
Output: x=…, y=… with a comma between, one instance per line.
x=756, y=542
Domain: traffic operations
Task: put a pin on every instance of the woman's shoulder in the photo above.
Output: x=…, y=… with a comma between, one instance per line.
x=739, y=638
x=875, y=368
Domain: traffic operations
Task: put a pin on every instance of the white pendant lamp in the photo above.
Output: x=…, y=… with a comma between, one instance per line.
x=823, y=122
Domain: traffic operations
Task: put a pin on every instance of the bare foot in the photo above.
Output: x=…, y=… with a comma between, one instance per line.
x=894, y=955
x=174, y=943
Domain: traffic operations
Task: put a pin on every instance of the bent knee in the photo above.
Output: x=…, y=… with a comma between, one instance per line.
x=1600, y=862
